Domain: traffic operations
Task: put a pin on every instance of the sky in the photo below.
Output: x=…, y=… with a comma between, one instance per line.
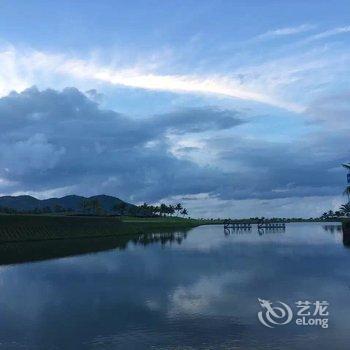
x=234, y=108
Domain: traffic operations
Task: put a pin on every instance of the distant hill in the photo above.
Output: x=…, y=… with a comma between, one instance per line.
x=72, y=203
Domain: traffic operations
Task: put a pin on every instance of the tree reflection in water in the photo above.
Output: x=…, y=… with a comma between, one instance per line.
x=341, y=229
x=21, y=252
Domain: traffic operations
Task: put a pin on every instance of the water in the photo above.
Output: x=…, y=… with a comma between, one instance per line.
x=188, y=290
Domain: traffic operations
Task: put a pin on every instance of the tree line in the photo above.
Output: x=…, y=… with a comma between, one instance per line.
x=164, y=210
x=344, y=210
x=94, y=207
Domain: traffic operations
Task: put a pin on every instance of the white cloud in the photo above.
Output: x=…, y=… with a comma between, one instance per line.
x=286, y=31
x=217, y=85
x=11, y=77
x=328, y=33
x=201, y=296
x=21, y=69
x=301, y=75
x=289, y=81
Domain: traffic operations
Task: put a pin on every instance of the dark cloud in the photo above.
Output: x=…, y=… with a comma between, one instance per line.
x=94, y=95
x=308, y=167
x=198, y=120
x=54, y=140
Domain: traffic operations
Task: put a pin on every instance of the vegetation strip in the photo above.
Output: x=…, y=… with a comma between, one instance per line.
x=35, y=227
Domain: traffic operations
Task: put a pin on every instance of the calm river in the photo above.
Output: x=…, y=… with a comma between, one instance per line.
x=198, y=289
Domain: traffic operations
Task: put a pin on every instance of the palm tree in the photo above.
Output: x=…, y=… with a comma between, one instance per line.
x=330, y=213
x=345, y=209
x=148, y=210
x=156, y=210
x=171, y=210
x=144, y=206
x=324, y=215
x=178, y=207
x=163, y=209
x=184, y=212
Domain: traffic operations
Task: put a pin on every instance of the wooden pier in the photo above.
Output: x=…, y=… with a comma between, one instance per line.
x=247, y=226
x=228, y=224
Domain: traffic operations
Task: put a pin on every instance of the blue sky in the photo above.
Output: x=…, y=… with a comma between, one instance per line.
x=233, y=107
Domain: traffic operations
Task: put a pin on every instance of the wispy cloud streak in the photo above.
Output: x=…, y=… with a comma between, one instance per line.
x=331, y=32
x=280, y=32
x=24, y=65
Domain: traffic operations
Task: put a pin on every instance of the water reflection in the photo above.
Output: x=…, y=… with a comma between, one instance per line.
x=260, y=230
x=195, y=290
x=339, y=230
x=162, y=238
x=332, y=228
x=263, y=231
x=22, y=252
x=235, y=230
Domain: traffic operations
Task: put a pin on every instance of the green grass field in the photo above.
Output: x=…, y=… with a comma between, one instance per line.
x=43, y=227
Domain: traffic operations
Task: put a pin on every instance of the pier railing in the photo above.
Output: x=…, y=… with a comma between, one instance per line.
x=237, y=225
x=247, y=226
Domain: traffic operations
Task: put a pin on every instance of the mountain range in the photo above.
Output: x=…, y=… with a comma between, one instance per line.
x=72, y=203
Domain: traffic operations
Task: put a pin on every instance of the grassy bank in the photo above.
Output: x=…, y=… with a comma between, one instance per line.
x=14, y=228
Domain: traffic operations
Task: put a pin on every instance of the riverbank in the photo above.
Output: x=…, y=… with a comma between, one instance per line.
x=17, y=228
x=22, y=227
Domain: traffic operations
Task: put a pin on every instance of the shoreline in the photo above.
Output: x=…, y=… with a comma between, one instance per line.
x=28, y=228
